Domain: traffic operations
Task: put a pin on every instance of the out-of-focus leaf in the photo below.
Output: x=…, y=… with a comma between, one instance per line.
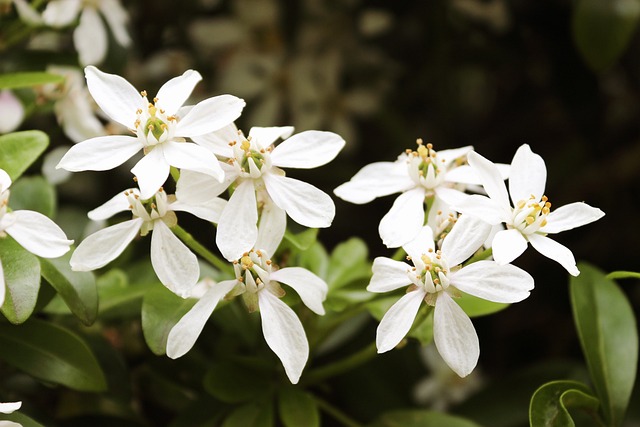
x=205, y=412
x=33, y=193
x=101, y=421
x=302, y=240
x=609, y=338
x=623, y=275
x=236, y=383
x=22, y=279
x=297, y=408
x=28, y=79
x=21, y=418
x=344, y=298
x=475, y=307
x=51, y=353
x=19, y=150
x=348, y=262
x=418, y=418
x=315, y=259
x=254, y=414
x=119, y=298
x=550, y=403
x=602, y=29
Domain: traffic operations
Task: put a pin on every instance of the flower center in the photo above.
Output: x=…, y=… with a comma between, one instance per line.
x=5, y=220
x=252, y=159
x=431, y=273
x=425, y=168
x=252, y=273
x=530, y=215
x=151, y=210
x=153, y=126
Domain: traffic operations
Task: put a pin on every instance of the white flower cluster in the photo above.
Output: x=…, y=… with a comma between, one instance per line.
x=440, y=227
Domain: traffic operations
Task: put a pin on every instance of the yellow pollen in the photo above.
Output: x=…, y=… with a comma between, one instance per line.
x=544, y=198
x=245, y=145
x=143, y=93
x=529, y=220
x=268, y=262
x=521, y=204
x=153, y=206
x=419, y=141
x=430, y=146
x=436, y=281
x=155, y=100
x=430, y=250
x=543, y=223
x=139, y=111
x=246, y=262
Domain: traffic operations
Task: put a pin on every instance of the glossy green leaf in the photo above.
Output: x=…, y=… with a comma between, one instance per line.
x=623, y=275
x=315, y=259
x=77, y=288
x=254, y=414
x=33, y=193
x=21, y=418
x=602, y=29
x=475, y=307
x=51, y=353
x=19, y=150
x=609, y=338
x=22, y=280
x=297, y=408
x=348, y=262
x=28, y=79
x=302, y=240
x=236, y=383
x=161, y=310
x=550, y=404
x=418, y=418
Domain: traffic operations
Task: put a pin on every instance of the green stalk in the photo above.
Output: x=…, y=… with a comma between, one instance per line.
x=479, y=256
x=336, y=413
x=341, y=366
x=199, y=249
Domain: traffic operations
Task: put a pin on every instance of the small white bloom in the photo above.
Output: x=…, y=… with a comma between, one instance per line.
x=254, y=169
x=529, y=219
x=11, y=111
x=160, y=128
x=9, y=408
x=436, y=279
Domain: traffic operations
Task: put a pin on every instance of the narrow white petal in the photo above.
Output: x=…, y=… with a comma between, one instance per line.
x=421, y=244
x=209, y=210
x=571, y=216
x=11, y=111
x=265, y=136
x=466, y=237
x=9, y=424
x=464, y=174
x=27, y=14
x=38, y=234
x=185, y=155
x=9, y=407
x=284, y=334
x=237, y=229
x=528, y=175
x=175, y=265
x=196, y=188
x=185, y=333
x=116, y=204
x=271, y=228
x=210, y=115
x=554, y=250
x=493, y=282
x=455, y=336
x=60, y=13
x=404, y=220
x=312, y=289
x=151, y=172
x=484, y=208
x=396, y=322
x=491, y=178
x=388, y=275
x=307, y=150
x=375, y=180
x=3, y=287
x=218, y=141
x=90, y=37
x=303, y=202
x=116, y=96
x=5, y=180
x=117, y=18
x=100, y=154
x=176, y=91
x=455, y=153
x=508, y=245
x=103, y=246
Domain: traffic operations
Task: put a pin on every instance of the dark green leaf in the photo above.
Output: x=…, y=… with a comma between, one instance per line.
x=51, y=353
x=254, y=414
x=418, y=418
x=609, y=338
x=19, y=150
x=302, y=240
x=551, y=402
x=475, y=307
x=623, y=275
x=33, y=193
x=297, y=408
x=22, y=280
x=235, y=383
x=21, y=418
x=28, y=79
x=119, y=298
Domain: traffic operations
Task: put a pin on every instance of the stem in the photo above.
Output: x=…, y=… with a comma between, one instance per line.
x=480, y=256
x=341, y=366
x=199, y=249
x=399, y=254
x=336, y=413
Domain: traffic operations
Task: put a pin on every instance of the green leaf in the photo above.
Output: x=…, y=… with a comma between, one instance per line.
x=233, y=382
x=297, y=408
x=77, y=288
x=21, y=418
x=19, y=150
x=28, y=79
x=51, y=353
x=118, y=298
x=348, y=262
x=315, y=259
x=550, y=403
x=302, y=240
x=418, y=418
x=161, y=310
x=22, y=280
x=254, y=414
x=623, y=275
x=609, y=338
x=33, y=193
x=602, y=29
x=475, y=307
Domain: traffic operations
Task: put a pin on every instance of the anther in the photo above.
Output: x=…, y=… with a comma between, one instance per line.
x=143, y=93
x=155, y=100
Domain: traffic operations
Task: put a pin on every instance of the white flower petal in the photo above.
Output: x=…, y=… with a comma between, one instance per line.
x=404, y=220
x=464, y=174
x=284, y=334
x=450, y=155
x=571, y=216
x=100, y=154
x=38, y=234
x=271, y=228
x=185, y=333
x=508, y=245
x=11, y=111
x=484, y=208
x=554, y=250
x=5, y=180
x=3, y=288
x=388, y=275
x=105, y=245
x=308, y=149
x=303, y=202
x=9, y=407
x=175, y=265
x=185, y=155
x=375, y=180
x=493, y=282
x=196, y=188
x=209, y=210
x=27, y=14
x=455, y=336
x=60, y=13
x=210, y=115
x=218, y=141
x=466, y=237
x=90, y=37
x=312, y=289
x=421, y=244
x=116, y=204
x=265, y=136
x=396, y=322
x=9, y=424
x=117, y=18
x=491, y=178
x=151, y=172
x=528, y=175
x=176, y=91
x=237, y=229
x=116, y=96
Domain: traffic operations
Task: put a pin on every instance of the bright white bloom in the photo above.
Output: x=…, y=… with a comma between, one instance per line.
x=11, y=111
x=175, y=265
x=26, y=12
x=90, y=37
x=32, y=230
x=257, y=281
x=8, y=408
x=529, y=219
x=160, y=128
x=253, y=168
x=417, y=175
x=436, y=278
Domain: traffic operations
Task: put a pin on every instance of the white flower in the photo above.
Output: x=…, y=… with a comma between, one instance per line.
x=417, y=175
x=159, y=128
x=529, y=219
x=175, y=265
x=90, y=37
x=257, y=281
x=11, y=111
x=26, y=12
x=259, y=183
x=435, y=278
x=32, y=230
x=8, y=408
